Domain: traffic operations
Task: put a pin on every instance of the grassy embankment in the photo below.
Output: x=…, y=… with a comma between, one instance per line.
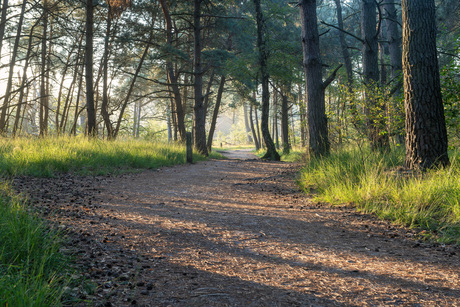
x=33, y=271
x=374, y=184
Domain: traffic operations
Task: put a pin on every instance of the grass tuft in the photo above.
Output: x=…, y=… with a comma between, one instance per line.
x=375, y=183
x=33, y=271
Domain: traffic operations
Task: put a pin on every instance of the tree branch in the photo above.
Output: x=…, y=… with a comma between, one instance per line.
x=346, y=32
x=331, y=77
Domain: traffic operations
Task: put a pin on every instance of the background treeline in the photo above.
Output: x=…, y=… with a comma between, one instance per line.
x=116, y=67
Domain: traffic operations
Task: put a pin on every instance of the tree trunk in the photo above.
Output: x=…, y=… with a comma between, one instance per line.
x=220, y=92
x=177, y=109
x=105, y=88
x=253, y=130
x=3, y=22
x=375, y=110
x=395, y=46
x=285, y=124
x=11, y=72
x=426, y=135
x=316, y=110
x=271, y=153
x=200, y=116
x=257, y=122
x=246, y=123
x=131, y=87
x=91, y=112
x=43, y=121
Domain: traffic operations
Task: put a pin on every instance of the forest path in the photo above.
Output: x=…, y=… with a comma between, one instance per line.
x=237, y=232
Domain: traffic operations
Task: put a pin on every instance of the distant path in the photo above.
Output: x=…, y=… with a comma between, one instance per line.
x=238, y=233
x=242, y=154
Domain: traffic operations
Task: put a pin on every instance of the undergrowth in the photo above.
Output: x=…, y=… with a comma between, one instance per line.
x=46, y=157
x=376, y=183
x=33, y=271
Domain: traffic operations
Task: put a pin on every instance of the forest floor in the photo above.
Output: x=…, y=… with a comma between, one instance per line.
x=236, y=232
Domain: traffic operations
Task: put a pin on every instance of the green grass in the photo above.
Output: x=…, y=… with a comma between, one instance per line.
x=374, y=184
x=47, y=157
x=33, y=271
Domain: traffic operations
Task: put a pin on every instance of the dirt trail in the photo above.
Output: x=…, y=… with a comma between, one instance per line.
x=237, y=232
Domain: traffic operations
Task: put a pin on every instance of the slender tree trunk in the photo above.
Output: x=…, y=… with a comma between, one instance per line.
x=275, y=119
x=303, y=124
x=253, y=130
x=220, y=92
x=375, y=109
x=131, y=87
x=43, y=122
x=246, y=123
x=263, y=56
x=178, y=108
x=395, y=47
x=105, y=88
x=426, y=135
x=91, y=112
x=200, y=116
x=285, y=123
x=11, y=72
x=3, y=22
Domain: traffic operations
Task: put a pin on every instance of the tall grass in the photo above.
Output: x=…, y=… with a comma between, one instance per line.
x=375, y=183
x=32, y=268
x=49, y=156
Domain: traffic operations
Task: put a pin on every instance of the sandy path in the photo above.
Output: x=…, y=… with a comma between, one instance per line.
x=237, y=232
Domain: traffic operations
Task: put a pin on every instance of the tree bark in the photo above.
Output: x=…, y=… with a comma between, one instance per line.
x=316, y=111
x=246, y=123
x=200, y=116
x=426, y=135
x=91, y=112
x=271, y=153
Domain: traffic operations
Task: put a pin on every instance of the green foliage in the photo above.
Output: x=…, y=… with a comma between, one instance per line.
x=51, y=156
x=450, y=85
x=33, y=271
x=374, y=183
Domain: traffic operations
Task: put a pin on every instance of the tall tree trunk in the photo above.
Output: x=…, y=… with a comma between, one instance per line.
x=91, y=112
x=316, y=109
x=178, y=108
x=263, y=56
x=105, y=88
x=275, y=118
x=3, y=22
x=285, y=123
x=395, y=47
x=200, y=116
x=43, y=122
x=375, y=110
x=426, y=135
x=220, y=92
x=11, y=71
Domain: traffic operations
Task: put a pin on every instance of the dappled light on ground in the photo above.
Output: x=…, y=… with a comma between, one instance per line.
x=238, y=233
